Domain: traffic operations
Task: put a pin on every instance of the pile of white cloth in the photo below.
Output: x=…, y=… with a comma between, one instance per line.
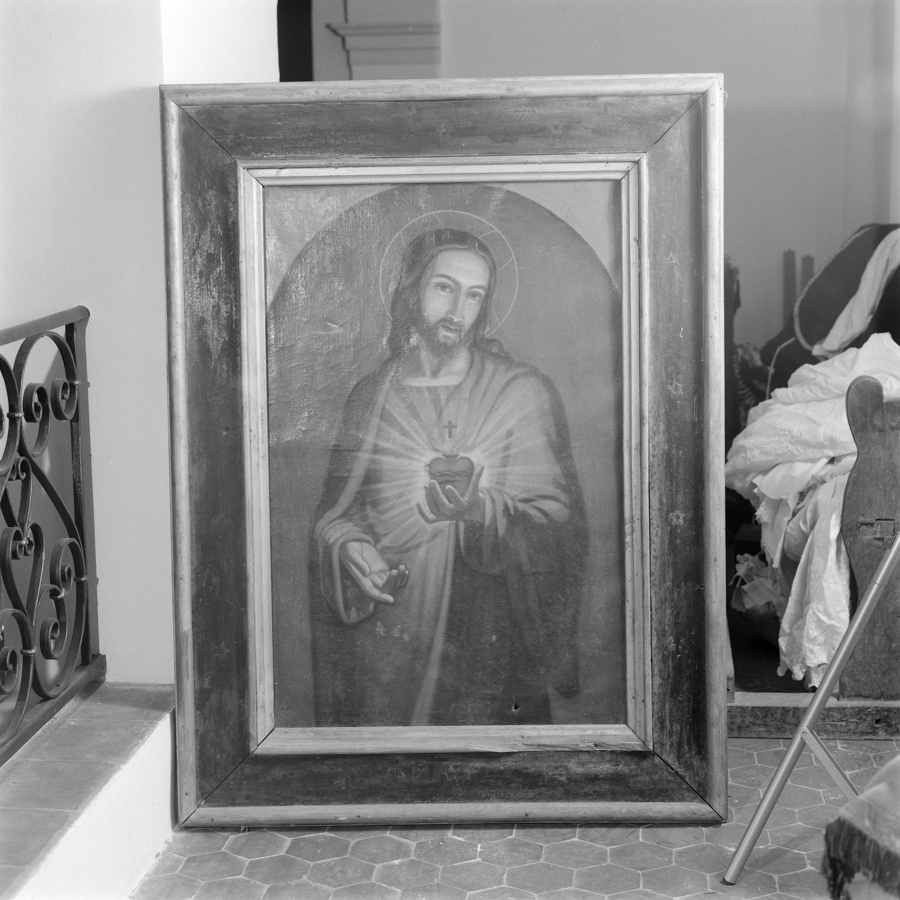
x=792, y=462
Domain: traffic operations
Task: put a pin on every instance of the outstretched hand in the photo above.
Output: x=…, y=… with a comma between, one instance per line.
x=448, y=505
x=369, y=570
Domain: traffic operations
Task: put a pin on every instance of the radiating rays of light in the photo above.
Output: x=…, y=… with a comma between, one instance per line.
x=397, y=436
x=518, y=433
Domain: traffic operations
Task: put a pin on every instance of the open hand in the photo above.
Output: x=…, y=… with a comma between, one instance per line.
x=369, y=570
x=448, y=505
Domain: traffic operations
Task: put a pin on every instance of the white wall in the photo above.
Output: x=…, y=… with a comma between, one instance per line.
x=81, y=223
x=807, y=124
x=211, y=41
x=330, y=62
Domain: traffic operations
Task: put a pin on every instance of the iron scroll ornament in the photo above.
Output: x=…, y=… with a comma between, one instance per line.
x=43, y=609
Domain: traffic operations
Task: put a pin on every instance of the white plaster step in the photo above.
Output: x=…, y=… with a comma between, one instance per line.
x=86, y=804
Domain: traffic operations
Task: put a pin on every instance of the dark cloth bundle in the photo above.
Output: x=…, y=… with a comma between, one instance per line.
x=823, y=300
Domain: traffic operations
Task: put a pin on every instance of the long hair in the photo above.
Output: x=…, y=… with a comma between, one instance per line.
x=406, y=302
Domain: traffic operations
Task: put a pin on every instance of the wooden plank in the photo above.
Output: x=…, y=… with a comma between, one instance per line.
x=470, y=88
x=712, y=483
x=212, y=411
x=445, y=778
x=387, y=129
x=445, y=813
x=179, y=463
x=680, y=421
x=849, y=720
x=869, y=521
x=471, y=738
x=256, y=456
x=635, y=471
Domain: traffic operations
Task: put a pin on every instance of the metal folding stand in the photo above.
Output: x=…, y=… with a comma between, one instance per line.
x=804, y=733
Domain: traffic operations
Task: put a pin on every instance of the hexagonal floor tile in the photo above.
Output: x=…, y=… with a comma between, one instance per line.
x=883, y=757
x=236, y=888
x=854, y=760
x=740, y=757
x=501, y=893
x=742, y=794
x=256, y=844
x=674, y=881
x=861, y=778
x=797, y=837
x=806, y=885
x=474, y=875
x=751, y=776
x=511, y=852
x=774, y=757
x=812, y=777
x=446, y=851
x=778, y=817
x=640, y=856
x=298, y=890
x=407, y=873
x=565, y=894
x=673, y=836
x=167, y=887
x=818, y=816
x=340, y=872
x=211, y=866
x=640, y=895
x=381, y=849
x=576, y=854
x=277, y=869
x=794, y=796
x=707, y=858
x=166, y=863
x=433, y=892
x=539, y=877
x=750, y=885
x=367, y=891
x=607, y=879
x=195, y=842
x=778, y=861
x=316, y=847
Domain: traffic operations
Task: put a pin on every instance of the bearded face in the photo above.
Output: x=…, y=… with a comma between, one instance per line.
x=452, y=298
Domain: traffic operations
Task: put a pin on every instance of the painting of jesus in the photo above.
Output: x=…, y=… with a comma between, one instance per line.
x=452, y=570
x=450, y=542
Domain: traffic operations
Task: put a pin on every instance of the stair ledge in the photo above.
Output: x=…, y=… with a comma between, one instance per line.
x=86, y=804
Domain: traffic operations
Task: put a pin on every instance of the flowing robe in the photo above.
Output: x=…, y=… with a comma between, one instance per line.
x=487, y=621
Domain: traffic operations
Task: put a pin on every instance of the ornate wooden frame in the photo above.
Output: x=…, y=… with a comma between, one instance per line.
x=662, y=137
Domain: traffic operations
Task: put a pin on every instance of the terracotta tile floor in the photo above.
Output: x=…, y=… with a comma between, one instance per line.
x=523, y=862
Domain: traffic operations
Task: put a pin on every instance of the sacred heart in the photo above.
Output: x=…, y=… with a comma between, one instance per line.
x=452, y=469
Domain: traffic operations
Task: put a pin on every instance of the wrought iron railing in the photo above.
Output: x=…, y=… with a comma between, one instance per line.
x=48, y=613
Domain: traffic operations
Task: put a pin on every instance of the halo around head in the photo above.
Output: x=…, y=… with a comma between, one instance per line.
x=507, y=286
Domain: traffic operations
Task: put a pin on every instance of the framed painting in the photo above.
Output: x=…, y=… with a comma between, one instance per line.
x=447, y=450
